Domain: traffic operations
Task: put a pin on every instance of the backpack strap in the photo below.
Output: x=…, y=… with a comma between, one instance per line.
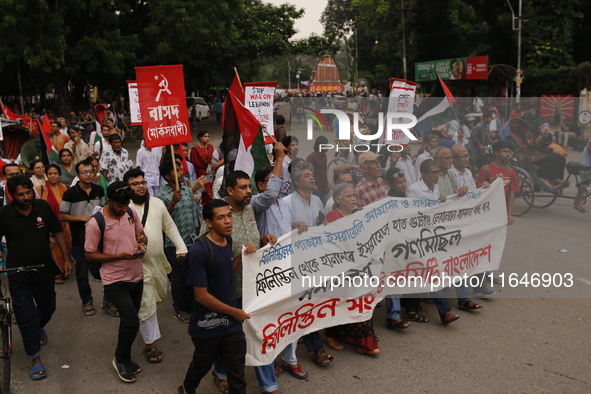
x=209, y=263
x=100, y=221
x=145, y=215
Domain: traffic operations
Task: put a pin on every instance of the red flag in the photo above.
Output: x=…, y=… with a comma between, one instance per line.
x=181, y=152
x=162, y=94
x=100, y=112
x=25, y=121
x=450, y=97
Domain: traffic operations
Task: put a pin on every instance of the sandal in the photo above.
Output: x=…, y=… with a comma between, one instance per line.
x=581, y=209
x=469, y=306
x=44, y=338
x=417, y=317
x=321, y=358
x=37, y=368
x=222, y=385
x=88, y=309
x=397, y=324
x=361, y=350
x=110, y=309
x=59, y=280
x=153, y=355
x=183, y=317
x=278, y=371
x=294, y=369
x=333, y=343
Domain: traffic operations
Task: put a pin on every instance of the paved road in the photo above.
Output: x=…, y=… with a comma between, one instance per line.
x=527, y=345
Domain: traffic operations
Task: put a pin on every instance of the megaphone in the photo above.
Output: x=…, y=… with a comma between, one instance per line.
x=30, y=150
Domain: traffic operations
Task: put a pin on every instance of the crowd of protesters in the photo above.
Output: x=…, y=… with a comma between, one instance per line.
x=132, y=222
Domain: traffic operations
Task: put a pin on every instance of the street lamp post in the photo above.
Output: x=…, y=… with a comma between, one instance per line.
x=298, y=78
x=519, y=73
x=288, y=76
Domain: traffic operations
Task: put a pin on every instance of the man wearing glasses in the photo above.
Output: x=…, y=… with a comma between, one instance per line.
x=78, y=204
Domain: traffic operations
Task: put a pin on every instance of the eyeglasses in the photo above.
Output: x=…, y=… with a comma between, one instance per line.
x=446, y=158
x=136, y=184
x=462, y=157
x=432, y=172
x=122, y=190
x=84, y=172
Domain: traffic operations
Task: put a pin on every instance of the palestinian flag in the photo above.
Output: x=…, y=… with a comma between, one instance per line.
x=440, y=100
x=237, y=118
x=46, y=145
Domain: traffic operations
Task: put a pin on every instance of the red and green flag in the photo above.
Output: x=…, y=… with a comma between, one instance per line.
x=53, y=156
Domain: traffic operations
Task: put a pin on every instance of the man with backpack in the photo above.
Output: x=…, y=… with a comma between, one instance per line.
x=115, y=238
x=77, y=207
x=215, y=325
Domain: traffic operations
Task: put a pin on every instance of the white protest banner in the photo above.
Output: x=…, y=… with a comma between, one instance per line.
x=401, y=99
x=134, y=103
x=259, y=99
x=335, y=274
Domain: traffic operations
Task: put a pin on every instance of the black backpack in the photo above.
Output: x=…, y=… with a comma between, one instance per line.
x=93, y=266
x=186, y=293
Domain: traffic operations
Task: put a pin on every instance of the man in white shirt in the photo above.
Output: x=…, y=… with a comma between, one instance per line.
x=431, y=141
x=460, y=170
x=63, y=126
x=427, y=187
x=148, y=160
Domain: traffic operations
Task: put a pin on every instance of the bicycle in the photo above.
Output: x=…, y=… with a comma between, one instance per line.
x=6, y=328
x=541, y=197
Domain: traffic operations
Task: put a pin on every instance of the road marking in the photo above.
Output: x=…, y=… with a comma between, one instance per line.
x=585, y=281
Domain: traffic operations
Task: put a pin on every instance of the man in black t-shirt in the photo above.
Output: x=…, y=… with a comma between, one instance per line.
x=28, y=225
x=78, y=203
x=215, y=325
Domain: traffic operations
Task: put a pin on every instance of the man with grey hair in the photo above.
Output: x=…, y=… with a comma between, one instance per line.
x=431, y=141
x=307, y=211
x=306, y=208
x=447, y=181
x=371, y=188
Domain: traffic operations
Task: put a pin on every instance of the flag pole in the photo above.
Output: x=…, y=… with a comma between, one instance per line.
x=239, y=81
x=176, y=177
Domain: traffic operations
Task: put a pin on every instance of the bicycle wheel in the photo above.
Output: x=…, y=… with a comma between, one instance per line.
x=339, y=161
x=524, y=199
x=544, y=199
x=5, y=352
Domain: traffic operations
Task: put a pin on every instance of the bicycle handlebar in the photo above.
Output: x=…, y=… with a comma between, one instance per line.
x=9, y=271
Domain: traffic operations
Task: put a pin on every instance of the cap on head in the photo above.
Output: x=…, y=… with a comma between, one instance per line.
x=368, y=156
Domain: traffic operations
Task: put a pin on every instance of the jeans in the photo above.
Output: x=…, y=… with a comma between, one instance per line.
x=82, y=274
x=266, y=378
x=312, y=341
x=441, y=303
x=463, y=292
x=393, y=307
x=411, y=304
x=232, y=349
x=127, y=297
x=33, y=306
x=170, y=252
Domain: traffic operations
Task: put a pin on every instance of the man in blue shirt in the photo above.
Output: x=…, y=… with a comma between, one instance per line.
x=215, y=327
